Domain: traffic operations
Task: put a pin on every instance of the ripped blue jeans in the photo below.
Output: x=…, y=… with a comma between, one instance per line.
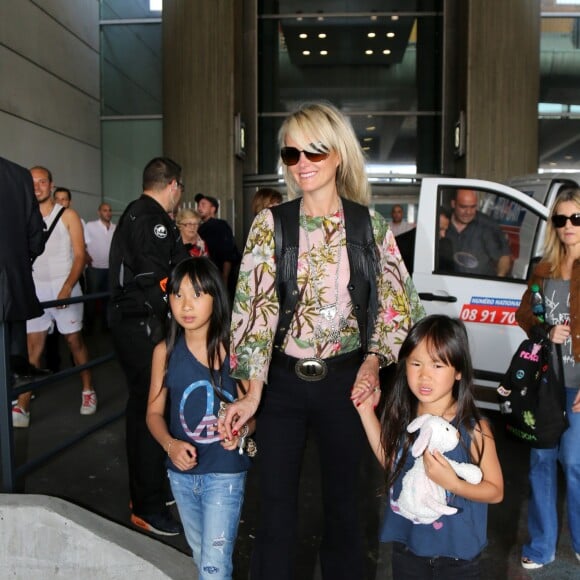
x=209, y=507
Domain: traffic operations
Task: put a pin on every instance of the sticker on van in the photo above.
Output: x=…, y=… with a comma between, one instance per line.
x=489, y=310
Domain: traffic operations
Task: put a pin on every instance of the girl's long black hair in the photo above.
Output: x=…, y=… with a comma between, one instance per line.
x=447, y=341
x=206, y=278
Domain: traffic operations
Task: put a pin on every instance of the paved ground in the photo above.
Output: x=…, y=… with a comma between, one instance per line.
x=93, y=474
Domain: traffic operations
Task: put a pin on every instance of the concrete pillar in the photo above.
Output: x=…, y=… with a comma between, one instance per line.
x=203, y=91
x=491, y=88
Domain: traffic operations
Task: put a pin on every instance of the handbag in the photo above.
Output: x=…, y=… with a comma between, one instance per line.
x=531, y=395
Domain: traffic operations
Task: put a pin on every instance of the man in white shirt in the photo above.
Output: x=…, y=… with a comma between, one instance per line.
x=56, y=273
x=98, y=236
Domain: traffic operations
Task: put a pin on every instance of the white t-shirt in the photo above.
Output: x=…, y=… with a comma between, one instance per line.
x=401, y=227
x=98, y=241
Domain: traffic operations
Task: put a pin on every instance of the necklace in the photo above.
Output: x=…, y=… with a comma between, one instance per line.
x=330, y=320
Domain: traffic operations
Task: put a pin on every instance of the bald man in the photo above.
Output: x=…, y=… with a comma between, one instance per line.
x=479, y=245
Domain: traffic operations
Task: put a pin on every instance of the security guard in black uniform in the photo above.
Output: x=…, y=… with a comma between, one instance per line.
x=145, y=247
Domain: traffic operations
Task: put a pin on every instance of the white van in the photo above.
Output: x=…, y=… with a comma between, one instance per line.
x=487, y=304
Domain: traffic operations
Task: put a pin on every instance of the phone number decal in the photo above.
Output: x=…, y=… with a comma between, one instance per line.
x=490, y=311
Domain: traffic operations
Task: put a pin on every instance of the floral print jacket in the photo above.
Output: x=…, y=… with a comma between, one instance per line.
x=322, y=279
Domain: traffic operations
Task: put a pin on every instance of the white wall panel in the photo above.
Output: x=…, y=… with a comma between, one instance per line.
x=36, y=95
x=79, y=16
x=50, y=92
x=53, y=44
x=73, y=164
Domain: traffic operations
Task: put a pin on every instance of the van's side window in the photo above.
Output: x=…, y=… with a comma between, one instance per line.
x=483, y=234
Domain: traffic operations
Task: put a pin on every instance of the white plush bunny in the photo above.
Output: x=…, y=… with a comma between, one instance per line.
x=423, y=501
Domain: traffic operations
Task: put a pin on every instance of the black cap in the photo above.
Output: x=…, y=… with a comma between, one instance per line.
x=211, y=200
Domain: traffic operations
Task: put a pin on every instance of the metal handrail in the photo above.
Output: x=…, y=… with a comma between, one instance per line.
x=10, y=473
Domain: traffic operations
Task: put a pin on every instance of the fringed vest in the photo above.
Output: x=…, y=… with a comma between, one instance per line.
x=363, y=260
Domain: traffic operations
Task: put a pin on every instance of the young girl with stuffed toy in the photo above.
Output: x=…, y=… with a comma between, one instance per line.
x=207, y=472
x=433, y=376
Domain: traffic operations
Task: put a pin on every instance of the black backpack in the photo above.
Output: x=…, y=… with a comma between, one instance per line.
x=531, y=395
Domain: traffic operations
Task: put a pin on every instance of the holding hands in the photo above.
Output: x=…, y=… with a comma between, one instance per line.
x=366, y=392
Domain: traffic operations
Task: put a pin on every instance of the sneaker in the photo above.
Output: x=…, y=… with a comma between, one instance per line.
x=161, y=524
x=169, y=501
x=89, y=405
x=20, y=418
x=530, y=564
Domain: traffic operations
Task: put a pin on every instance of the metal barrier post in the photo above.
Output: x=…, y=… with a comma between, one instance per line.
x=6, y=433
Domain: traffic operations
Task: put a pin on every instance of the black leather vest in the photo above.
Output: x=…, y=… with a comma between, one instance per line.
x=363, y=259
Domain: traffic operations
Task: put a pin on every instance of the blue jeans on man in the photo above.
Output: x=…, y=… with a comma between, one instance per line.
x=542, y=507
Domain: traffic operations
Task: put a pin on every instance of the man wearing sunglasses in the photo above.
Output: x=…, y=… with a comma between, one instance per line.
x=558, y=276
x=479, y=245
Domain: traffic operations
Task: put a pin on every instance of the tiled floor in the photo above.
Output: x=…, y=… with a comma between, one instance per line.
x=93, y=474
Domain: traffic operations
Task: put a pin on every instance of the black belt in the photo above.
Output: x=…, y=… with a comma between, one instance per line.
x=315, y=369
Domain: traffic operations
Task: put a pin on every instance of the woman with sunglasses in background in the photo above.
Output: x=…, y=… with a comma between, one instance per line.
x=329, y=307
x=188, y=221
x=558, y=275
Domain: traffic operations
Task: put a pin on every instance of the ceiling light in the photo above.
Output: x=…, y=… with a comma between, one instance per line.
x=374, y=17
x=324, y=52
x=368, y=52
x=394, y=18
x=303, y=35
x=155, y=5
x=299, y=19
x=553, y=163
x=322, y=35
x=371, y=34
x=320, y=18
x=386, y=51
x=366, y=148
x=367, y=139
x=306, y=52
x=390, y=35
x=371, y=128
x=568, y=157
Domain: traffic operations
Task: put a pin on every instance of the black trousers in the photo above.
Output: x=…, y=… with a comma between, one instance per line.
x=145, y=457
x=97, y=280
x=17, y=345
x=408, y=566
x=291, y=408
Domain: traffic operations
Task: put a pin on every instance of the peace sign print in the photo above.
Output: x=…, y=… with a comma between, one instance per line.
x=205, y=432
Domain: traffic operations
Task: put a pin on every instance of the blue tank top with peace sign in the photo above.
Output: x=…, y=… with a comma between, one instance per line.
x=193, y=409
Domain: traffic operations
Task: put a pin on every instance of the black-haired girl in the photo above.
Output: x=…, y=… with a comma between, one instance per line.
x=434, y=376
x=207, y=472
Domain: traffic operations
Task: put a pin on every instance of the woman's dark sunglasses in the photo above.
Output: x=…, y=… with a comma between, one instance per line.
x=291, y=155
x=560, y=220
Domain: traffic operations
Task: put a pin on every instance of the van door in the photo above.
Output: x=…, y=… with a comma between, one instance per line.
x=476, y=242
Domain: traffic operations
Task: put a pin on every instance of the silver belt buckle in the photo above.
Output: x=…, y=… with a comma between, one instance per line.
x=311, y=369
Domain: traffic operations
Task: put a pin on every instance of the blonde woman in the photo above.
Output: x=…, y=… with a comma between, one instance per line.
x=308, y=319
x=558, y=275
x=188, y=221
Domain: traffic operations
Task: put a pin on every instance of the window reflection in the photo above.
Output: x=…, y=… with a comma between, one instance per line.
x=363, y=58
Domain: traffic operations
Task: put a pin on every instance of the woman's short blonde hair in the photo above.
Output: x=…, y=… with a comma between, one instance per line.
x=187, y=213
x=323, y=123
